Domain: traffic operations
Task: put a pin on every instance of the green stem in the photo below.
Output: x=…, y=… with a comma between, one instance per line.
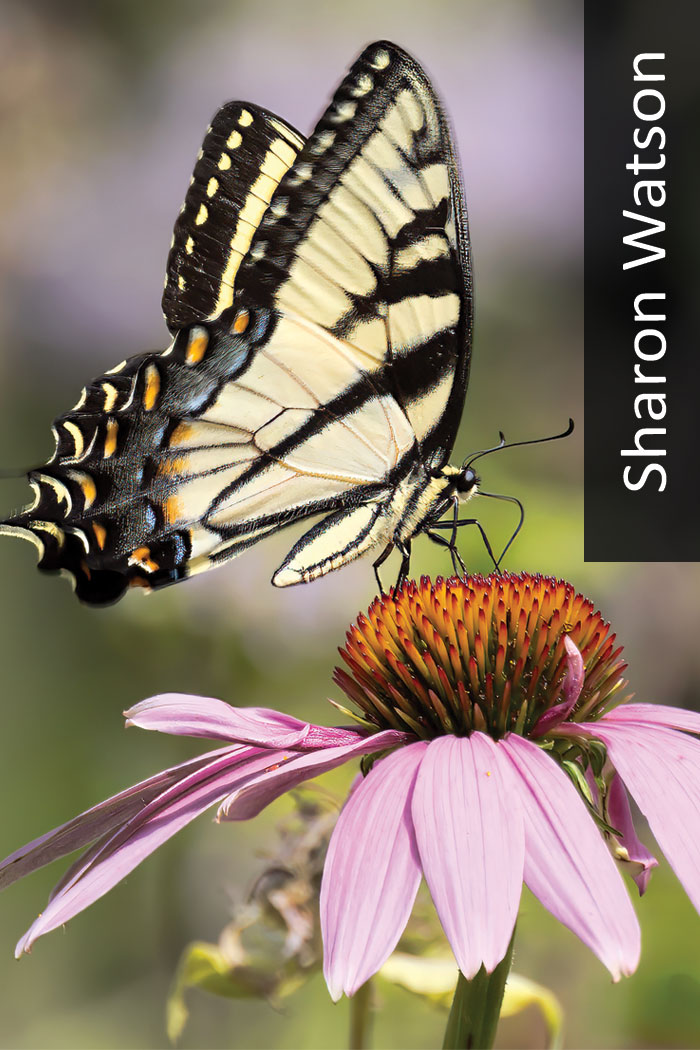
x=476, y=1007
x=361, y=1007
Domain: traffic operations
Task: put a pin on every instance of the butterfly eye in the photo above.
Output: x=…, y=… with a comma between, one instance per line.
x=467, y=480
x=240, y=322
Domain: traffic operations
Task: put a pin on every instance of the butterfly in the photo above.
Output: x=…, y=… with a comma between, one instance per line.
x=319, y=296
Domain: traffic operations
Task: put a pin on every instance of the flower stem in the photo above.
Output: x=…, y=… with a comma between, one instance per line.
x=361, y=1007
x=476, y=1007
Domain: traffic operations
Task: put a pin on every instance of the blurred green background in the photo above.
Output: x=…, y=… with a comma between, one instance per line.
x=103, y=108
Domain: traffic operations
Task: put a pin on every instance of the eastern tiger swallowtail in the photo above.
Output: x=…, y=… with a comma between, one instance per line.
x=319, y=295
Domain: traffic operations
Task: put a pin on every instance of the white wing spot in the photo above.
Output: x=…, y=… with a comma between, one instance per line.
x=345, y=111
x=381, y=59
x=363, y=85
x=324, y=141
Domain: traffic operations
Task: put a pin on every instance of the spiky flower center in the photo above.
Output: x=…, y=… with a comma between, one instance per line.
x=479, y=653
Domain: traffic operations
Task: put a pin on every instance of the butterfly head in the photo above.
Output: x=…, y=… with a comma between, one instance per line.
x=465, y=482
x=462, y=482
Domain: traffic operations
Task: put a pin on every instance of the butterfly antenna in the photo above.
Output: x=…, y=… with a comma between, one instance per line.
x=485, y=451
x=514, y=444
x=509, y=499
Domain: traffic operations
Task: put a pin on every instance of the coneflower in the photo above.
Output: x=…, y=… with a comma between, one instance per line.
x=496, y=749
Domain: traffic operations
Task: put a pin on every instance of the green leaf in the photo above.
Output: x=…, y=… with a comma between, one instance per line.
x=598, y=756
x=579, y=778
x=522, y=992
x=202, y=965
x=435, y=977
x=205, y=966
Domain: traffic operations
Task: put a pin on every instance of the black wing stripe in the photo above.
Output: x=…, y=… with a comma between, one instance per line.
x=415, y=373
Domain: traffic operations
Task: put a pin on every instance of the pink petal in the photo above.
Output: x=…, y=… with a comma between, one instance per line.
x=661, y=769
x=203, y=716
x=567, y=864
x=285, y=770
x=95, y=822
x=571, y=690
x=627, y=848
x=652, y=714
x=371, y=874
x=469, y=831
x=98, y=871
x=573, y=683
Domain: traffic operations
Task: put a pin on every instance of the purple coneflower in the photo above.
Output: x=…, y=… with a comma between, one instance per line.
x=492, y=756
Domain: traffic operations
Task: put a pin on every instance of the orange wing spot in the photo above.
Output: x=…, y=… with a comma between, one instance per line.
x=197, y=346
x=89, y=490
x=241, y=322
x=173, y=467
x=173, y=509
x=111, y=438
x=138, y=581
x=84, y=567
x=100, y=534
x=142, y=557
x=181, y=434
x=152, y=389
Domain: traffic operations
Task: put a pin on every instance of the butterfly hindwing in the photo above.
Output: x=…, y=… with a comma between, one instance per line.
x=140, y=493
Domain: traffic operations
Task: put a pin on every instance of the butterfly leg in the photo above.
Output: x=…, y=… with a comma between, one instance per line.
x=380, y=561
x=452, y=548
x=404, y=550
x=453, y=538
x=457, y=523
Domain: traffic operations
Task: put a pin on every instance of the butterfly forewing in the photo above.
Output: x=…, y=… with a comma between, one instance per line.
x=245, y=153
x=366, y=237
